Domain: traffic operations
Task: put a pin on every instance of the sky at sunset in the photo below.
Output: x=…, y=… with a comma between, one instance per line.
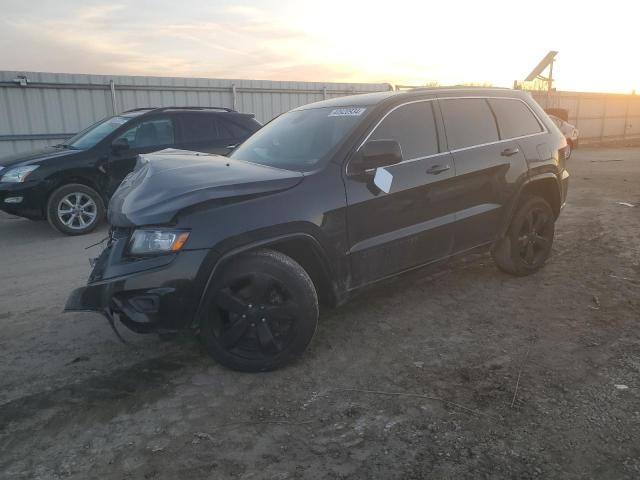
x=411, y=42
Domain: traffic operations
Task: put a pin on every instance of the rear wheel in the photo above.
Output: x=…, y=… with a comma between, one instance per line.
x=527, y=244
x=261, y=312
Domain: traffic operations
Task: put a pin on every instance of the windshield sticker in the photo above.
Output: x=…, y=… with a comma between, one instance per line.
x=347, y=112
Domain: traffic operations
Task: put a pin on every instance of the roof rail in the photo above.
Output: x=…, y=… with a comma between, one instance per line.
x=161, y=109
x=458, y=87
x=139, y=109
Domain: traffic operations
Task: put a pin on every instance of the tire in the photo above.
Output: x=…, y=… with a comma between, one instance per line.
x=261, y=312
x=528, y=241
x=75, y=209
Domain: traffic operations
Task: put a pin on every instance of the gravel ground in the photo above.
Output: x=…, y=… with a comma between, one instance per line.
x=463, y=373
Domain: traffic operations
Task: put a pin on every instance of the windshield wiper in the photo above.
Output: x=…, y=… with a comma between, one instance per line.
x=64, y=145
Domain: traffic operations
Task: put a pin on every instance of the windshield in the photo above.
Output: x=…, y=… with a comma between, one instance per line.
x=96, y=132
x=299, y=140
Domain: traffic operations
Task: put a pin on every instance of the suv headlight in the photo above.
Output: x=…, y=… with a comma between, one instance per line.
x=18, y=174
x=156, y=241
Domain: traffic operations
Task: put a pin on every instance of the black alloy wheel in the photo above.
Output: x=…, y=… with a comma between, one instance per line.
x=527, y=244
x=262, y=312
x=535, y=236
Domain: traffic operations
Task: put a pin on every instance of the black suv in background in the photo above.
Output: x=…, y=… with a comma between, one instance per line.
x=71, y=183
x=323, y=200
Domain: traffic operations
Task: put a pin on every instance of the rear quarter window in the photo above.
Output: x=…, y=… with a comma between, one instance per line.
x=514, y=118
x=468, y=122
x=231, y=129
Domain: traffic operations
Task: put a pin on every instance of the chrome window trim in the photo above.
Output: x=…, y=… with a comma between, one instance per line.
x=411, y=160
x=542, y=125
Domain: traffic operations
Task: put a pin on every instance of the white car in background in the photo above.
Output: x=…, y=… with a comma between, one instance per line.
x=569, y=131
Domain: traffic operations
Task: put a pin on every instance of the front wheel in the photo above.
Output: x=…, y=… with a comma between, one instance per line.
x=75, y=209
x=261, y=312
x=527, y=244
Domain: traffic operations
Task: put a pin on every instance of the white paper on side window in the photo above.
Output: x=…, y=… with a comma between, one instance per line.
x=383, y=180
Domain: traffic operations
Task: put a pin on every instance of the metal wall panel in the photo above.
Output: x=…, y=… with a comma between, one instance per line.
x=600, y=117
x=54, y=106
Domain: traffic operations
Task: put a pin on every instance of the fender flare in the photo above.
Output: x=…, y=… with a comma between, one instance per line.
x=262, y=243
x=513, y=204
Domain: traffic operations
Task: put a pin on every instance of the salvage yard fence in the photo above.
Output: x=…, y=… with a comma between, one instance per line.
x=39, y=109
x=600, y=117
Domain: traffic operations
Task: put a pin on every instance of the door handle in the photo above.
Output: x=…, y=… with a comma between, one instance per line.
x=507, y=152
x=436, y=169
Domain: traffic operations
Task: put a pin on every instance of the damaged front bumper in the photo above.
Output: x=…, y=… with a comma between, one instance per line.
x=146, y=294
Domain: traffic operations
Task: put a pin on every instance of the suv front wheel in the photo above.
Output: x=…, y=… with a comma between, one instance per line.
x=527, y=244
x=75, y=209
x=261, y=312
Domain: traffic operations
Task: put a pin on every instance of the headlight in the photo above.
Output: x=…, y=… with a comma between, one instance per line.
x=148, y=242
x=18, y=174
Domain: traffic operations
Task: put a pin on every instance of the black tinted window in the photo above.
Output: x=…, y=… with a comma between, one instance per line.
x=468, y=121
x=413, y=127
x=150, y=133
x=198, y=128
x=231, y=129
x=204, y=128
x=514, y=118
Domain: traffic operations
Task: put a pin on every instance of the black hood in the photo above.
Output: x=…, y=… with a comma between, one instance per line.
x=166, y=182
x=36, y=156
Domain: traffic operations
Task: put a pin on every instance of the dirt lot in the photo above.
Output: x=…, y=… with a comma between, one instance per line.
x=466, y=373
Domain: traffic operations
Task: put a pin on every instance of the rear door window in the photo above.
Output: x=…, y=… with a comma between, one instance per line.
x=157, y=132
x=514, y=118
x=413, y=127
x=198, y=128
x=468, y=122
x=202, y=129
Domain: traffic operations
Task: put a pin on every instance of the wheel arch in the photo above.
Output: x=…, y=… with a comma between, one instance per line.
x=545, y=185
x=303, y=248
x=68, y=178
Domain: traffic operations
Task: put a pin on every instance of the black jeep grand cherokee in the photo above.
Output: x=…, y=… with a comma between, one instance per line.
x=323, y=200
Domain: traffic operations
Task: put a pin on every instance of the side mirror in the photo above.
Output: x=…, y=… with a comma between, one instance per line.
x=378, y=153
x=120, y=145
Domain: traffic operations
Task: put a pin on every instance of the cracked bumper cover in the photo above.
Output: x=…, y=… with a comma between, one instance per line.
x=146, y=295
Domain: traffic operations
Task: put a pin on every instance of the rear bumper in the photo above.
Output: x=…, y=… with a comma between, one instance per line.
x=30, y=196
x=145, y=296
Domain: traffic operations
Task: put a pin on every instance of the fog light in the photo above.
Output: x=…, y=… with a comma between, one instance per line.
x=13, y=200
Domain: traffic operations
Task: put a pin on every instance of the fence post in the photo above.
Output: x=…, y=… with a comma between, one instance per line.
x=604, y=119
x=233, y=96
x=112, y=89
x=626, y=119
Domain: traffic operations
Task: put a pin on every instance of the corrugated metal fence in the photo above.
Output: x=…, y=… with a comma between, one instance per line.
x=600, y=117
x=39, y=109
